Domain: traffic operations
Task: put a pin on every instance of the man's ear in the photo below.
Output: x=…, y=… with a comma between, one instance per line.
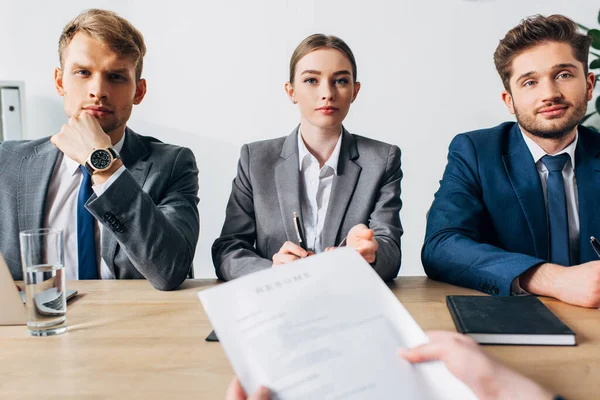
x=140, y=91
x=590, y=79
x=508, y=101
x=58, y=81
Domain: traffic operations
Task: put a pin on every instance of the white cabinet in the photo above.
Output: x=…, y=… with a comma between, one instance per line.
x=11, y=110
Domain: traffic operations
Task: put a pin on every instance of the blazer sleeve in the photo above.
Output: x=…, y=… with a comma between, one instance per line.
x=159, y=238
x=454, y=250
x=385, y=219
x=234, y=253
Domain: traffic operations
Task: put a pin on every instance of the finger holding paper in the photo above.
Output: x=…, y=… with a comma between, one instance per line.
x=288, y=253
x=236, y=392
x=465, y=359
x=362, y=239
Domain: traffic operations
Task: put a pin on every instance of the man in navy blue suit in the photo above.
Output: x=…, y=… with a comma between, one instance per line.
x=518, y=202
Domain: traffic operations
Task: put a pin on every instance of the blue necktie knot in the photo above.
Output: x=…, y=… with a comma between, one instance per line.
x=555, y=163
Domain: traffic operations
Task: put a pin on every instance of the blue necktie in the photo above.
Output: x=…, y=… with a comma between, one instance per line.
x=86, y=241
x=557, y=209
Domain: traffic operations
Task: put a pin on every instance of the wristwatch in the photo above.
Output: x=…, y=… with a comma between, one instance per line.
x=101, y=160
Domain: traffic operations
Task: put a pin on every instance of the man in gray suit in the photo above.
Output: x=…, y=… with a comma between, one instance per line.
x=140, y=217
x=364, y=205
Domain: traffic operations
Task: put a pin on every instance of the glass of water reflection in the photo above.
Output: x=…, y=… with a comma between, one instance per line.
x=42, y=260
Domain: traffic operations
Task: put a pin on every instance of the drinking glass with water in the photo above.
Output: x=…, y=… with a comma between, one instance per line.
x=43, y=271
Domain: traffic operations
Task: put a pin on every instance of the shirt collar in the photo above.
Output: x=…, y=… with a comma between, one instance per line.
x=537, y=152
x=333, y=159
x=73, y=166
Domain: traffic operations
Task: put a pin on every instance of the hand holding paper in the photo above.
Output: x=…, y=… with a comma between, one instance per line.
x=323, y=327
x=236, y=392
x=290, y=252
x=362, y=239
x=465, y=359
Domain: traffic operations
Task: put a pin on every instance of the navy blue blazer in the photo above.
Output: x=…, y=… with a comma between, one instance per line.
x=488, y=222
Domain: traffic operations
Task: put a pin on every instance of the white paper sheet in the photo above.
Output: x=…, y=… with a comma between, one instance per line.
x=325, y=327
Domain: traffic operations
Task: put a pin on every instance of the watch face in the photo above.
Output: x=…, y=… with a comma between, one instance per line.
x=100, y=159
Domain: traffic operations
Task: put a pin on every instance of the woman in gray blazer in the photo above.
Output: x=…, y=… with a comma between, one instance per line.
x=319, y=187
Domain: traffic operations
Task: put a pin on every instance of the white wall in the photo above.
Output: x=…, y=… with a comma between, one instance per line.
x=216, y=71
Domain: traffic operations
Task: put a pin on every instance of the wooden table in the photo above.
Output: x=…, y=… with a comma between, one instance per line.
x=128, y=340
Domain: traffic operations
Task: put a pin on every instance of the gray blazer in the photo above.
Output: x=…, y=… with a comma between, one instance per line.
x=266, y=192
x=149, y=215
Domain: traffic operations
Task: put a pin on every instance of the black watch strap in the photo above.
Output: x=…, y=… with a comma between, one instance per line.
x=89, y=168
x=114, y=153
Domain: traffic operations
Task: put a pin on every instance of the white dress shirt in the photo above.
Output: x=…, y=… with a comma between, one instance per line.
x=61, y=210
x=568, y=173
x=315, y=189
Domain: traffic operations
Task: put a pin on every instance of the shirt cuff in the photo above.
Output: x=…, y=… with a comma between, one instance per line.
x=102, y=187
x=516, y=289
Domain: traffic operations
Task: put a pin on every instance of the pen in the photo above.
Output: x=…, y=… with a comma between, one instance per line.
x=595, y=245
x=299, y=231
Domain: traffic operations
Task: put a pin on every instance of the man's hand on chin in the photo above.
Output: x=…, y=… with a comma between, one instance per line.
x=82, y=135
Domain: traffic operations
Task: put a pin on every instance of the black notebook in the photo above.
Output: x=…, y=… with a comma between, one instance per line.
x=508, y=320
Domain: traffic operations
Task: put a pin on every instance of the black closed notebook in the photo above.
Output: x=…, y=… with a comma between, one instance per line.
x=508, y=320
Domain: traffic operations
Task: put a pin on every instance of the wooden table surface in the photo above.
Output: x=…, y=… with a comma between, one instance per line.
x=128, y=340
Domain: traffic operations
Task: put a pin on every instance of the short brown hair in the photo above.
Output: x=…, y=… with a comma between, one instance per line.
x=112, y=30
x=536, y=30
x=320, y=41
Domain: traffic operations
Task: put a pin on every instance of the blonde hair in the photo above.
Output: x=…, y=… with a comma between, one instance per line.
x=320, y=41
x=112, y=30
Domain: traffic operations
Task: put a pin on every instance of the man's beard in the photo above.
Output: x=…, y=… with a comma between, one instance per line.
x=109, y=126
x=562, y=126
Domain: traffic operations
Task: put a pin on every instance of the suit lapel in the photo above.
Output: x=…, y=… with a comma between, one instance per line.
x=525, y=180
x=287, y=184
x=133, y=155
x=34, y=179
x=341, y=191
x=587, y=175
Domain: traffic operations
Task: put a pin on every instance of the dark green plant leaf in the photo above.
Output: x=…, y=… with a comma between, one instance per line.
x=598, y=104
x=587, y=117
x=599, y=17
x=595, y=64
x=595, y=35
